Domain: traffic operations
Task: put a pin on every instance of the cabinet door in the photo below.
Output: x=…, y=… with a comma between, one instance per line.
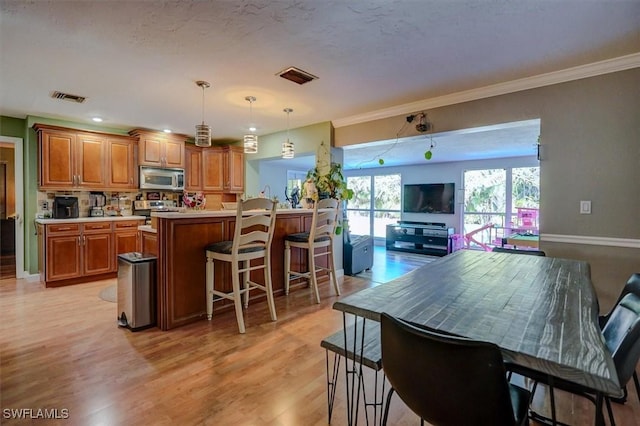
x=149, y=243
x=90, y=161
x=63, y=257
x=193, y=168
x=98, y=253
x=235, y=172
x=56, y=158
x=121, y=169
x=126, y=241
x=213, y=169
x=174, y=154
x=150, y=151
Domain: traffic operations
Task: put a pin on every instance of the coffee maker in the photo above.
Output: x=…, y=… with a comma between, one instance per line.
x=65, y=207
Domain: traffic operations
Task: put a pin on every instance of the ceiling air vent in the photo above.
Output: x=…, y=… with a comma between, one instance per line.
x=68, y=97
x=296, y=75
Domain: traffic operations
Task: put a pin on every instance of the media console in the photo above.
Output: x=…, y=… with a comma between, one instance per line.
x=420, y=237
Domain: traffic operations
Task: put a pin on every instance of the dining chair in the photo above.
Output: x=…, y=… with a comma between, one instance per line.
x=448, y=380
x=321, y=233
x=254, y=226
x=621, y=334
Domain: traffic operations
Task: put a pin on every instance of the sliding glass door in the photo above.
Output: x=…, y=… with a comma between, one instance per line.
x=376, y=203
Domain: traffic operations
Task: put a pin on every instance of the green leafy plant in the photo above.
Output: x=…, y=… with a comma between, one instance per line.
x=332, y=184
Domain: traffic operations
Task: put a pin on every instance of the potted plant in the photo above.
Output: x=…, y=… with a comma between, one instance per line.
x=331, y=184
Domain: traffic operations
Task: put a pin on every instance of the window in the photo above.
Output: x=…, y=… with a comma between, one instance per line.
x=489, y=194
x=376, y=203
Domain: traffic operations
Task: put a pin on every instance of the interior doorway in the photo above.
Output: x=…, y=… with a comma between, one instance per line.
x=11, y=208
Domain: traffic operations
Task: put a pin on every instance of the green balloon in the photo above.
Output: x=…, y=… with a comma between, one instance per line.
x=428, y=155
x=381, y=161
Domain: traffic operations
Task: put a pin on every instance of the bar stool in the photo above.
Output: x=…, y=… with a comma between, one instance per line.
x=323, y=227
x=252, y=240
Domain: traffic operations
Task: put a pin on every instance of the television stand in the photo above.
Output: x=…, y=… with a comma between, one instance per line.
x=431, y=238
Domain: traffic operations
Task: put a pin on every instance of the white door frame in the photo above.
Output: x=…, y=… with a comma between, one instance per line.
x=19, y=197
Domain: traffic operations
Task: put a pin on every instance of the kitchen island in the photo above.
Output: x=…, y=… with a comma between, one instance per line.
x=181, y=265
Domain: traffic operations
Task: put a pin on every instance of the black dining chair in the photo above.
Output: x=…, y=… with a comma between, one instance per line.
x=632, y=286
x=448, y=380
x=621, y=334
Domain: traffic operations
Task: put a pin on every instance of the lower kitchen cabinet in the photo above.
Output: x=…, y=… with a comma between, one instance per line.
x=149, y=242
x=62, y=252
x=127, y=237
x=77, y=252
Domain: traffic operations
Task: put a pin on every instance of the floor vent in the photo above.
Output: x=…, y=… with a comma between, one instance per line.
x=296, y=75
x=68, y=97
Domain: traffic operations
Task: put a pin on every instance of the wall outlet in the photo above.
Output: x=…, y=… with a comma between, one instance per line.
x=585, y=207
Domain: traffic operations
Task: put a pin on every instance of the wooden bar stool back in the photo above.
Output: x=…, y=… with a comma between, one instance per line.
x=323, y=228
x=255, y=223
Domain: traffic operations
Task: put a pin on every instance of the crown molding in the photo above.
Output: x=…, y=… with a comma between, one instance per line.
x=583, y=71
x=594, y=241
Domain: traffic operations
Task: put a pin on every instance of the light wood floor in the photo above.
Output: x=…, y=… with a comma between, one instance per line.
x=60, y=348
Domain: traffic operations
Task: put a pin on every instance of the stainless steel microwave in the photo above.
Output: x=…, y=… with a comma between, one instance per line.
x=162, y=179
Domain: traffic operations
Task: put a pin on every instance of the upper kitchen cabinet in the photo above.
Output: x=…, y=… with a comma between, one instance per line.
x=193, y=168
x=121, y=163
x=159, y=149
x=71, y=159
x=219, y=169
x=234, y=169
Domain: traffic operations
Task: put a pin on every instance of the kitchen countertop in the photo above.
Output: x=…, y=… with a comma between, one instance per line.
x=217, y=213
x=90, y=219
x=147, y=228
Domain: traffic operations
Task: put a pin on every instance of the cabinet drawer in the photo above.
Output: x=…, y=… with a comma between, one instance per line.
x=64, y=228
x=96, y=227
x=127, y=224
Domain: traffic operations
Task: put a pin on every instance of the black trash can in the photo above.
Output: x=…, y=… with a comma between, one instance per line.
x=136, y=290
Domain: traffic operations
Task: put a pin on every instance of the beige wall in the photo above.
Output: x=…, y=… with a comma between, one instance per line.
x=590, y=135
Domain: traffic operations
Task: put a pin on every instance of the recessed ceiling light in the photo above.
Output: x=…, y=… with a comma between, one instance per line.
x=167, y=130
x=252, y=129
x=97, y=119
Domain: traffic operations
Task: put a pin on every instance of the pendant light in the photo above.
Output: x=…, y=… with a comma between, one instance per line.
x=203, y=131
x=250, y=140
x=288, y=149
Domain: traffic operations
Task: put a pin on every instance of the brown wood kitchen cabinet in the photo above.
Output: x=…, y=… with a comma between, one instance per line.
x=122, y=170
x=71, y=159
x=214, y=170
x=193, y=168
x=126, y=238
x=74, y=250
x=159, y=149
x=149, y=242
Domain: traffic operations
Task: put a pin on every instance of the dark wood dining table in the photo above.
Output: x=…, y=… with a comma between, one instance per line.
x=541, y=311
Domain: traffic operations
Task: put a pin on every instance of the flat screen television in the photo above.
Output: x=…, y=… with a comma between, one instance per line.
x=429, y=198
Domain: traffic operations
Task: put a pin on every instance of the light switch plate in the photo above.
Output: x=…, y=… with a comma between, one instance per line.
x=585, y=207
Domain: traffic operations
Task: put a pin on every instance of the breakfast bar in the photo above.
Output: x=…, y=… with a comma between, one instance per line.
x=182, y=237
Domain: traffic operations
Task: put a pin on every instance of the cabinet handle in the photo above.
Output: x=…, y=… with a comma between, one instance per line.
x=84, y=240
x=64, y=229
x=78, y=240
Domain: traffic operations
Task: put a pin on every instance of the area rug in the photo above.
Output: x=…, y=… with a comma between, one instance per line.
x=109, y=294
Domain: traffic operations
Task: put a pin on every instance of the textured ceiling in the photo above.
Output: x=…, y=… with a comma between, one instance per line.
x=136, y=62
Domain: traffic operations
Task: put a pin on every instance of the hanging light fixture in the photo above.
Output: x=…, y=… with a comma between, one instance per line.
x=288, y=149
x=250, y=140
x=203, y=131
